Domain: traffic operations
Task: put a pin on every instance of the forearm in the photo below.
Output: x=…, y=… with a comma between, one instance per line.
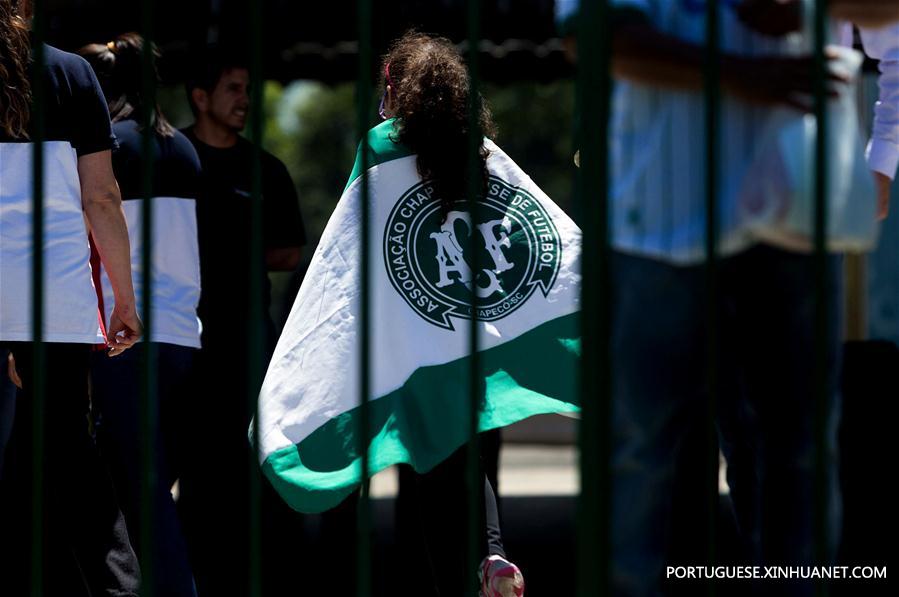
x=643, y=54
x=883, y=45
x=110, y=233
x=102, y=205
x=884, y=149
x=866, y=13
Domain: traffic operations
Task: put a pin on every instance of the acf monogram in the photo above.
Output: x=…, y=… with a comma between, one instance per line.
x=431, y=262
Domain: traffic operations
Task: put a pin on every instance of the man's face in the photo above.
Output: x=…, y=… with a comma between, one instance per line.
x=228, y=103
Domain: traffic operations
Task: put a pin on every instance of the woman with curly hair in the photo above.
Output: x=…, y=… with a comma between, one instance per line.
x=426, y=98
x=77, y=507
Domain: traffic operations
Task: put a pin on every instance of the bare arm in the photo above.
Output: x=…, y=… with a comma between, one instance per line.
x=779, y=17
x=643, y=54
x=102, y=204
x=883, y=151
x=866, y=13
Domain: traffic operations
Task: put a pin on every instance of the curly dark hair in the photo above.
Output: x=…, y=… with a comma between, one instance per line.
x=430, y=96
x=15, y=62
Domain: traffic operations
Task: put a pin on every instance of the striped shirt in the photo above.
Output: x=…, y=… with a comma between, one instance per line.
x=77, y=123
x=657, y=137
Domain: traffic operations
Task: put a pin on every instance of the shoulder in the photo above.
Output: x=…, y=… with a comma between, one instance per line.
x=128, y=134
x=271, y=163
x=183, y=147
x=383, y=146
x=71, y=68
x=56, y=58
x=187, y=133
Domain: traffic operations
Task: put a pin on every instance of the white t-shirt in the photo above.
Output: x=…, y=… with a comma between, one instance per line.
x=175, y=276
x=77, y=123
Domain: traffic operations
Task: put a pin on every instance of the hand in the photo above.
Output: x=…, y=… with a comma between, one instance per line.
x=884, y=185
x=125, y=328
x=771, y=17
x=11, y=371
x=777, y=81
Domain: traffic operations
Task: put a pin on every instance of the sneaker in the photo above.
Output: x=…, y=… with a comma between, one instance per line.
x=500, y=578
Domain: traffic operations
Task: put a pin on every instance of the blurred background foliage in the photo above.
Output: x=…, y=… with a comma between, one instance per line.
x=311, y=127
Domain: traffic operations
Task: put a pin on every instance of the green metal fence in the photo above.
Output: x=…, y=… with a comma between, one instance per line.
x=39, y=93
x=594, y=84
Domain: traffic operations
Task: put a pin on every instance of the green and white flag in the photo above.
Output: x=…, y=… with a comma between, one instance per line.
x=421, y=285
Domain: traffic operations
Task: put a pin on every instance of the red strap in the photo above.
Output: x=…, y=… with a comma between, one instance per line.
x=98, y=287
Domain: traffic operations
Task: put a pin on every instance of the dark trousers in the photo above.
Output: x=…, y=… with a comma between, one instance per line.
x=116, y=391
x=432, y=521
x=80, y=513
x=765, y=415
x=7, y=406
x=218, y=467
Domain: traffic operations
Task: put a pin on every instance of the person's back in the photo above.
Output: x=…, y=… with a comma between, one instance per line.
x=174, y=334
x=413, y=170
x=78, y=504
x=71, y=131
x=174, y=190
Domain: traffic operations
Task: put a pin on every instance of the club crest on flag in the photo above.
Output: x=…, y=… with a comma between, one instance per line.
x=430, y=262
x=517, y=256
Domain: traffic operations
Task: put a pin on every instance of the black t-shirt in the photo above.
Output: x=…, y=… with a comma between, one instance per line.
x=74, y=106
x=176, y=165
x=223, y=219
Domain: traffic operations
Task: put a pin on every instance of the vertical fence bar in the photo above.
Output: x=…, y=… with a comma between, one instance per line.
x=256, y=307
x=712, y=91
x=594, y=505
x=38, y=132
x=474, y=471
x=148, y=394
x=363, y=116
x=822, y=302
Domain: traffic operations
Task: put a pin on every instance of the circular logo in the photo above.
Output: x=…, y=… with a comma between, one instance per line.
x=494, y=261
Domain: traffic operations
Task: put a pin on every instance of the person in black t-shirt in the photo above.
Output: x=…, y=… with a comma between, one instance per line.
x=216, y=521
x=218, y=95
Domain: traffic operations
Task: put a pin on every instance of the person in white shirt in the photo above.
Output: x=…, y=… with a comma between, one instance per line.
x=767, y=302
x=883, y=149
x=78, y=507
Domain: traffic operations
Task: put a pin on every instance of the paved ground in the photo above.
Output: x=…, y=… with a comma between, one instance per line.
x=526, y=470
x=539, y=487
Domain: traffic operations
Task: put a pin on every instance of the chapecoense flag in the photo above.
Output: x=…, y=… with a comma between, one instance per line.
x=524, y=282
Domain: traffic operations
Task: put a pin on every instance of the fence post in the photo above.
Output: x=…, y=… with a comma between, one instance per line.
x=594, y=505
x=363, y=120
x=38, y=128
